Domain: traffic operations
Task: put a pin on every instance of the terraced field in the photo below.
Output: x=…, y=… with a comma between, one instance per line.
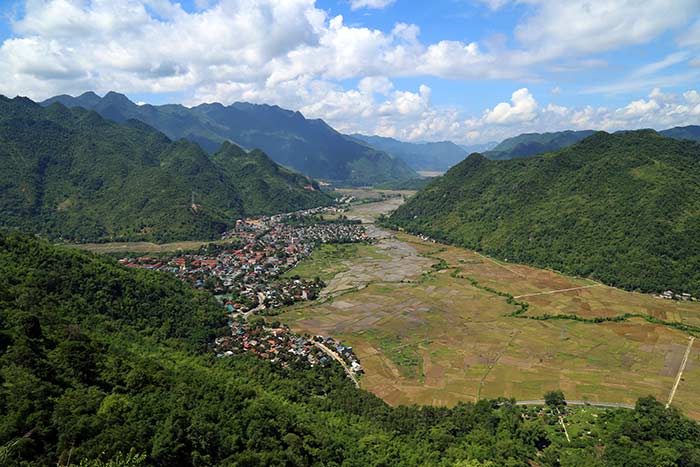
x=432, y=325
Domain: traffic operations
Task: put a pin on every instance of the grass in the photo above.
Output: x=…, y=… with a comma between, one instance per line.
x=144, y=247
x=325, y=262
x=404, y=353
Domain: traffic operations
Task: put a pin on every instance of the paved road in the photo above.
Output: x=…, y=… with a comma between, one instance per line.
x=335, y=356
x=680, y=372
x=593, y=404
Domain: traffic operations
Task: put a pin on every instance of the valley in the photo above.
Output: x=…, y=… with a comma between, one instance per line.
x=435, y=324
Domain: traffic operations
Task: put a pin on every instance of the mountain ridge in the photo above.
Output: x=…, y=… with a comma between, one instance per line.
x=309, y=146
x=429, y=156
x=621, y=208
x=72, y=174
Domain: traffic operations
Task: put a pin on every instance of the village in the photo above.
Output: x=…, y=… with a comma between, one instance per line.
x=246, y=273
x=279, y=344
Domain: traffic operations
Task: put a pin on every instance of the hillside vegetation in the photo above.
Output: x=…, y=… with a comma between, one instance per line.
x=308, y=146
x=621, y=208
x=691, y=132
x=71, y=174
x=97, y=360
x=530, y=144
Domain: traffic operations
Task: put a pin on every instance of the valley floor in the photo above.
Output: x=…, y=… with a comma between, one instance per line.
x=430, y=327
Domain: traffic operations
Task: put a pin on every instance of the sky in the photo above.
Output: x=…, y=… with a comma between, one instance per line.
x=471, y=71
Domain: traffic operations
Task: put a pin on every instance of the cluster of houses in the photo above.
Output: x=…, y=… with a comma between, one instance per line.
x=671, y=295
x=280, y=345
x=277, y=344
x=247, y=274
x=343, y=351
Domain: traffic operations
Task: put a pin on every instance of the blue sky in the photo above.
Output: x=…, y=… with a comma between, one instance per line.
x=466, y=70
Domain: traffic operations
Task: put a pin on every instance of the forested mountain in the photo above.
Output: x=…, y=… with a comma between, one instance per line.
x=530, y=144
x=309, y=146
x=691, y=132
x=623, y=208
x=264, y=186
x=97, y=360
x=438, y=156
x=71, y=174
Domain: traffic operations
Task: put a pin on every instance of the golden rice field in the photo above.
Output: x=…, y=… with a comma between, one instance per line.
x=426, y=336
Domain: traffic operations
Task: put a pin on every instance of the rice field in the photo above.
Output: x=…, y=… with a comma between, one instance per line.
x=425, y=335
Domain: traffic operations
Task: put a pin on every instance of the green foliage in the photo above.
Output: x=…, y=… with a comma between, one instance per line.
x=266, y=187
x=555, y=399
x=691, y=132
x=130, y=459
x=101, y=365
x=409, y=184
x=70, y=174
x=309, y=146
x=623, y=209
x=530, y=144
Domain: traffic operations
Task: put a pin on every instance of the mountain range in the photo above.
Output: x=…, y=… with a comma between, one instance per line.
x=437, y=156
x=72, y=174
x=530, y=144
x=621, y=208
x=305, y=145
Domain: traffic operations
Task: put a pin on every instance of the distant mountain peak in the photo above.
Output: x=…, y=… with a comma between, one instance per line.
x=115, y=97
x=287, y=137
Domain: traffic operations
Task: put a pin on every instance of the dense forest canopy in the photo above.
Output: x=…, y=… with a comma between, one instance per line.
x=71, y=174
x=101, y=362
x=622, y=208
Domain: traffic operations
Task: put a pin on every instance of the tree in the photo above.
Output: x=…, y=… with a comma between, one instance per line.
x=555, y=399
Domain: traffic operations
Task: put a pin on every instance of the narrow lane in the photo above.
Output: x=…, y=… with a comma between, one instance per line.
x=680, y=372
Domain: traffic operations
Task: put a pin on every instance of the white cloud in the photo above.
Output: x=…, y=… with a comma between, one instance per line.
x=691, y=37
x=591, y=26
x=668, y=61
x=522, y=109
x=291, y=53
x=376, y=4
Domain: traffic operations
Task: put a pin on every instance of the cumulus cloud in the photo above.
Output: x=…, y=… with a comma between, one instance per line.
x=522, y=108
x=291, y=53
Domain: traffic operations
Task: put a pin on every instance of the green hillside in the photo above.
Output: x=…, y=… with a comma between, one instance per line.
x=622, y=208
x=309, y=146
x=267, y=188
x=97, y=360
x=71, y=174
x=691, y=132
x=530, y=144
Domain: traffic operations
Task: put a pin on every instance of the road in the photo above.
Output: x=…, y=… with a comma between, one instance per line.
x=558, y=291
x=613, y=405
x=680, y=372
x=335, y=356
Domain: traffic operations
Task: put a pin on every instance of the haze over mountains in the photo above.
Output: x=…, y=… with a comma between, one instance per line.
x=72, y=174
x=308, y=146
x=437, y=156
x=622, y=208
